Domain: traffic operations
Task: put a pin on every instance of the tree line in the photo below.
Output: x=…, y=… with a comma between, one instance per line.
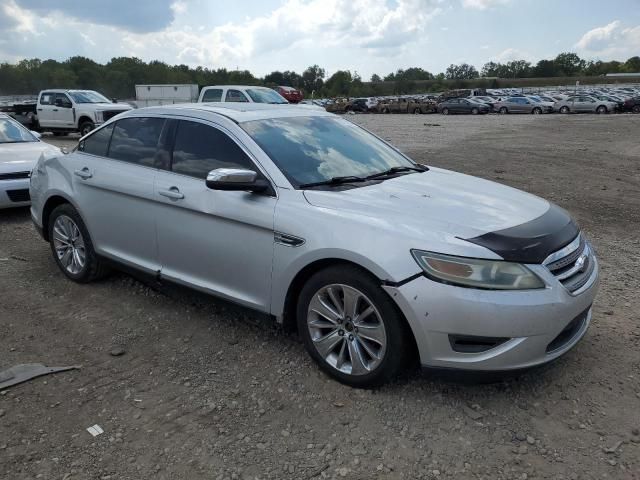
x=118, y=77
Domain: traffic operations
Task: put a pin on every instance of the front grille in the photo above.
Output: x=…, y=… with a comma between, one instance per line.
x=573, y=265
x=19, y=195
x=107, y=114
x=14, y=175
x=569, y=332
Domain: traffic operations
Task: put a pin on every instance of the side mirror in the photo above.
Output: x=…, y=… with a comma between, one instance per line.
x=36, y=134
x=236, y=179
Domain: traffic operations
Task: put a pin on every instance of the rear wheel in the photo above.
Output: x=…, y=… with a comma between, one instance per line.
x=636, y=109
x=474, y=111
x=417, y=111
x=445, y=111
x=351, y=327
x=601, y=109
x=536, y=111
x=72, y=246
x=503, y=110
x=564, y=109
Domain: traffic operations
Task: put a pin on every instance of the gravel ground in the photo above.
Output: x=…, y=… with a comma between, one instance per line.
x=198, y=388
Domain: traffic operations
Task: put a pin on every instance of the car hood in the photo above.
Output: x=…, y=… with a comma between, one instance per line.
x=22, y=157
x=452, y=203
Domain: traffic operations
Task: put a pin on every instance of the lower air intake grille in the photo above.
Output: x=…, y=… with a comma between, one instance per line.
x=19, y=195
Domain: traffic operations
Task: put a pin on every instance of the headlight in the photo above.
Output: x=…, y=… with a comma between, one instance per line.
x=477, y=273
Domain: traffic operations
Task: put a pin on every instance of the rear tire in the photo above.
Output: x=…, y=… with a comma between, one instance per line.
x=536, y=111
x=445, y=111
x=474, y=111
x=417, y=111
x=564, y=109
x=72, y=247
x=503, y=110
x=636, y=109
x=339, y=334
x=602, y=109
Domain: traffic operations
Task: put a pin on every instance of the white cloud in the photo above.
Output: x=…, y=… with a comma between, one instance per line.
x=610, y=41
x=483, y=4
x=512, y=54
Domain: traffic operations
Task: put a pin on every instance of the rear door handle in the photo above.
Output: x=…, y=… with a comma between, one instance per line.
x=173, y=193
x=40, y=109
x=84, y=173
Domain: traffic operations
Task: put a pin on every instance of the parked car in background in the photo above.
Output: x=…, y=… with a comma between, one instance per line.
x=267, y=206
x=337, y=105
x=357, y=105
x=522, y=105
x=20, y=149
x=491, y=101
x=632, y=105
x=462, y=105
x=584, y=104
x=67, y=111
x=291, y=94
x=241, y=94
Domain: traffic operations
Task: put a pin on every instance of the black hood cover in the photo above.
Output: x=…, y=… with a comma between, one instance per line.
x=533, y=241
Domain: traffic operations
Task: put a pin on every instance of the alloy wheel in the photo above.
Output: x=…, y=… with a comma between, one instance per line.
x=69, y=245
x=346, y=329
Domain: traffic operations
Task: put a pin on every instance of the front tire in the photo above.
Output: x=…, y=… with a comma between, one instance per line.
x=536, y=111
x=72, y=247
x=86, y=128
x=474, y=111
x=564, y=109
x=503, y=110
x=601, y=109
x=351, y=327
x=636, y=109
x=445, y=111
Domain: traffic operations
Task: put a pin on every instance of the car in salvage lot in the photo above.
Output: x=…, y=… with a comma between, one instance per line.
x=243, y=202
x=584, y=104
x=522, y=105
x=20, y=149
x=463, y=105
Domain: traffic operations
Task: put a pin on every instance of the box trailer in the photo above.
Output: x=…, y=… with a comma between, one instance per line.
x=152, y=95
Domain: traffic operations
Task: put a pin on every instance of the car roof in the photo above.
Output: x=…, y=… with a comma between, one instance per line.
x=237, y=112
x=235, y=86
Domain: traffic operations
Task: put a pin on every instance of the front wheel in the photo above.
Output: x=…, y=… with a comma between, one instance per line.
x=72, y=246
x=636, y=109
x=503, y=110
x=474, y=111
x=417, y=111
x=564, y=109
x=86, y=128
x=351, y=327
x=601, y=109
x=536, y=111
x=445, y=111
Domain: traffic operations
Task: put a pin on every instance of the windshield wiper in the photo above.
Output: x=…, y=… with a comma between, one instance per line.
x=394, y=170
x=335, y=181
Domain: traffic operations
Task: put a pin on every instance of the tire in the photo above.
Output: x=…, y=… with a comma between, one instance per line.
x=602, y=109
x=503, y=110
x=87, y=265
x=86, y=127
x=325, y=291
x=536, y=111
x=636, y=109
x=417, y=111
x=564, y=109
x=445, y=111
x=474, y=111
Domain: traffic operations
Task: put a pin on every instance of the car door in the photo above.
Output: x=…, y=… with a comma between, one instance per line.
x=218, y=241
x=47, y=109
x=114, y=183
x=64, y=112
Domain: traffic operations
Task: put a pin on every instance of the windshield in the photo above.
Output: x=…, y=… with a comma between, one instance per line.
x=265, y=95
x=316, y=149
x=13, y=132
x=88, y=96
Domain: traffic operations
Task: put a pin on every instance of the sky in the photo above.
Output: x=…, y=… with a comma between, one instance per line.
x=364, y=36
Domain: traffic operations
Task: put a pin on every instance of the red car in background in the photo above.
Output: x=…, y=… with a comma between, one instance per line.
x=291, y=94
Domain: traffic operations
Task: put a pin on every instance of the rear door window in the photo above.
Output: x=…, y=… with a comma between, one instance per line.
x=200, y=148
x=235, y=96
x=46, y=98
x=135, y=140
x=97, y=143
x=212, y=95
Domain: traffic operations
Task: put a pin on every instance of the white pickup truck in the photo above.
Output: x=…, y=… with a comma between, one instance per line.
x=65, y=111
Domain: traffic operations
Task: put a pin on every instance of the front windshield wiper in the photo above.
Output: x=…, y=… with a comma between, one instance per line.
x=394, y=170
x=335, y=181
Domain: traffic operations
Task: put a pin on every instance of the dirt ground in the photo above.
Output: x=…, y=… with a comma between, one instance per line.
x=206, y=390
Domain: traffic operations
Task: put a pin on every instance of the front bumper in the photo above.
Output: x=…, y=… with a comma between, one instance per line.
x=535, y=325
x=14, y=193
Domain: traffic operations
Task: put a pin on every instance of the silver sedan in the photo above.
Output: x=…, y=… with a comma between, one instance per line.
x=374, y=259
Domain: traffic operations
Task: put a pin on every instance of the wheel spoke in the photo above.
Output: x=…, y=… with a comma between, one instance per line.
x=351, y=301
x=328, y=343
x=342, y=356
x=372, y=332
x=321, y=323
x=358, y=366
x=320, y=306
x=339, y=307
x=67, y=257
x=360, y=317
x=367, y=348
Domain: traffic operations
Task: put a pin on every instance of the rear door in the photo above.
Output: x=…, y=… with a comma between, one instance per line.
x=218, y=241
x=47, y=109
x=114, y=183
x=212, y=95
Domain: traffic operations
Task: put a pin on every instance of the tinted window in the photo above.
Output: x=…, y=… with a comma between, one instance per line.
x=199, y=148
x=46, y=98
x=63, y=100
x=98, y=142
x=212, y=95
x=235, y=96
x=135, y=140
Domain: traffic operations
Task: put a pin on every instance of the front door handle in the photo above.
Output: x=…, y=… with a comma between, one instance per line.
x=173, y=193
x=84, y=173
x=55, y=109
